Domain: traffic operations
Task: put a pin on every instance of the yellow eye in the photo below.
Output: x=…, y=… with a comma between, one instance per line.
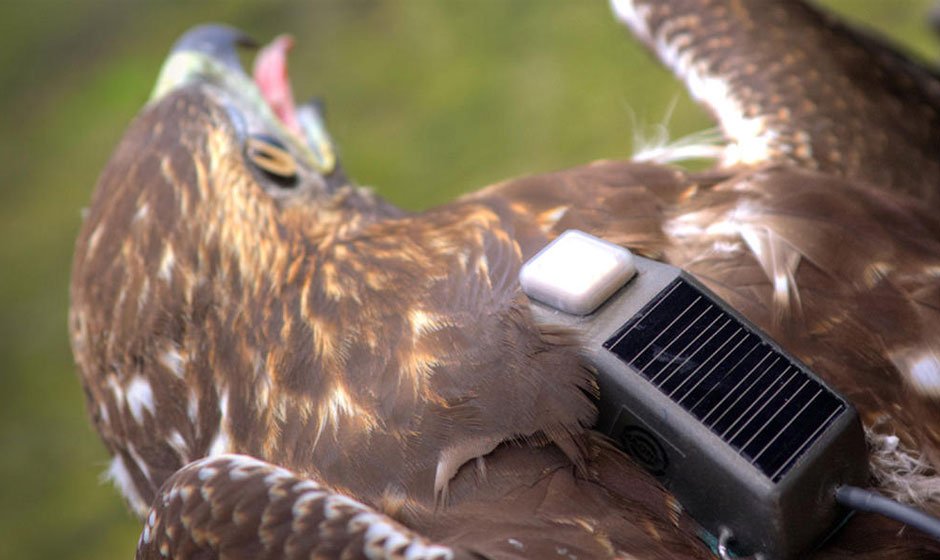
x=269, y=155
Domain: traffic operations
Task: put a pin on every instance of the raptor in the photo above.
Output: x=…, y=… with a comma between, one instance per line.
x=283, y=365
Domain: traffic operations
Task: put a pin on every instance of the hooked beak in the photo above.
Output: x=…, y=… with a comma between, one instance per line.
x=208, y=54
x=217, y=41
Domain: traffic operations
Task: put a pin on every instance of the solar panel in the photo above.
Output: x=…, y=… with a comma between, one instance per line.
x=746, y=437
x=747, y=392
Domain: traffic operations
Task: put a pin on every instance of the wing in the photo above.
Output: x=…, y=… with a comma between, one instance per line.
x=531, y=505
x=790, y=84
x=625, y=202
x=237, y=507
x=845, y=273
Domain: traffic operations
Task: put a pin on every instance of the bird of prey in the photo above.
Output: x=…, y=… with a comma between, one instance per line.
x=283, y=365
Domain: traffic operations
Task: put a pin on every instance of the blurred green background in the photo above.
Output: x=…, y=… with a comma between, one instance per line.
x=426, y=100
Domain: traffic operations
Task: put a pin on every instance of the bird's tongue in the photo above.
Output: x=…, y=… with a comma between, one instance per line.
x=270, y=73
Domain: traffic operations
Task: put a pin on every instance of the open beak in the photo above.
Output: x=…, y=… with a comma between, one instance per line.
x=209, y=54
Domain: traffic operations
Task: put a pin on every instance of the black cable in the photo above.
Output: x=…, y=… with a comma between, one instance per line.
x=865, y=500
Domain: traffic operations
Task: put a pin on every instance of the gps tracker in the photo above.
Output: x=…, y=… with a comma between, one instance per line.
x=750, y=441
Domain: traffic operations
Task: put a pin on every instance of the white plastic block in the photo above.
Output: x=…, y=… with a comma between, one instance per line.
x=576, y=272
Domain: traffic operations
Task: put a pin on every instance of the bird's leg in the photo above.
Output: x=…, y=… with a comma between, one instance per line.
x=234, y=506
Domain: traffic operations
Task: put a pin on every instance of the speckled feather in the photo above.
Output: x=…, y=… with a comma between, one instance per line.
x=361, y=358
x=791, y=84
x=382, y=368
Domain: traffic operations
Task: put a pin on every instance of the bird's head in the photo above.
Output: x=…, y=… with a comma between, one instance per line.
x=287, y=144
x=221, y=171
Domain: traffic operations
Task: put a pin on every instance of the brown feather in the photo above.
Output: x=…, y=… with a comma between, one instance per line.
x=791, y=84
x=387, y=361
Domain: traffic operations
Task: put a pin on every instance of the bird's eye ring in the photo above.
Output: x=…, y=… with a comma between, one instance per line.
x=271, y=156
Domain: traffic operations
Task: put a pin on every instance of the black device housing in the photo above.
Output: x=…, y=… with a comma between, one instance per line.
x=744, y=435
